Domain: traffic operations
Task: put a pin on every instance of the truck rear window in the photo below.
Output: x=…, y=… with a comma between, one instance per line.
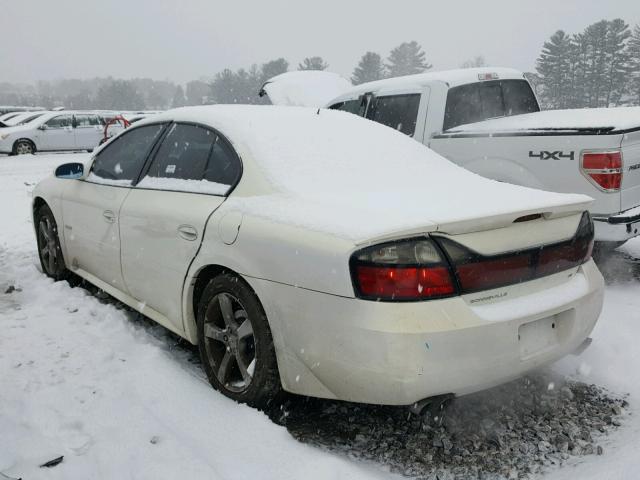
x=476, y=102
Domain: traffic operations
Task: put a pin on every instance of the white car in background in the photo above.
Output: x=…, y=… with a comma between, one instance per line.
x=8, y=116
x=53, y=131
x=324, y=254
x=21, y=119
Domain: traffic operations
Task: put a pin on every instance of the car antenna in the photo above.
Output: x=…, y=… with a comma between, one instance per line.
x=318, y=113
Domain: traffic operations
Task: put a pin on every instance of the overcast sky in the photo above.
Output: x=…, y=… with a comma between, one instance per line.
x=188, y=39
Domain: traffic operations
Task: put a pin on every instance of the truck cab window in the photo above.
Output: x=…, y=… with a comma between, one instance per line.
x=476, y=102
x=399, y=112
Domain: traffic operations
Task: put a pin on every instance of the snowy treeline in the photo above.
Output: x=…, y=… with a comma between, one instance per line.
x=599, y=67
x=595, y=68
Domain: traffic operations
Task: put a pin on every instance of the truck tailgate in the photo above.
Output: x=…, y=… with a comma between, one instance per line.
x=631, y=170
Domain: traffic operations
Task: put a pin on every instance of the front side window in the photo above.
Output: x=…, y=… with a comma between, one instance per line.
x=120, y=162
x=193, y=159
x=476, y=102
x=61, y=121
x=399, y=112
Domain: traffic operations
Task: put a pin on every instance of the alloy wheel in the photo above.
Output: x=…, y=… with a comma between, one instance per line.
x=48, y=245
x=24, y=148
x=230, y=342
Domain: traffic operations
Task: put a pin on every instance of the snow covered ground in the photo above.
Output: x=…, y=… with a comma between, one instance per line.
x=119, y=398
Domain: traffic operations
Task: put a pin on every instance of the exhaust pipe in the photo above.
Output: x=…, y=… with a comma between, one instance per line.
x=432, y=408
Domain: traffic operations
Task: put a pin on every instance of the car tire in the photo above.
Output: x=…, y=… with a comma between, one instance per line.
x=23, y=147
x=235, y=342
x=49, y=250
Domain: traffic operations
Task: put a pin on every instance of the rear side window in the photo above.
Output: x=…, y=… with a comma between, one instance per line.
x=120, y=162
x=193, y=159
x=399, y=112
x=351, y=106
x=183, y=153
x=476, y=102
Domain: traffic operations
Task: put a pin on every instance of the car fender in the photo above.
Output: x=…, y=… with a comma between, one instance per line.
x=50, y=191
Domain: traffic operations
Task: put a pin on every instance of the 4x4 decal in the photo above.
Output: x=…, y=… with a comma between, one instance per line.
x=557, y=155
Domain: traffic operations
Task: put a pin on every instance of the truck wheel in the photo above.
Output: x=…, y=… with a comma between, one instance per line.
x=235, y=342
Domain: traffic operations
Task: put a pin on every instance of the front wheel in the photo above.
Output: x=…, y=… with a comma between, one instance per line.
x=235, y=342
x=24, y=147
x=49, y=249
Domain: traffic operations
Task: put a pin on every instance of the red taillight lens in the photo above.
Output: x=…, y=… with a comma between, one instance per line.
x=492, y=273
x=402, y=271
x=402, y=283
x=477, y=272
x=604, y=169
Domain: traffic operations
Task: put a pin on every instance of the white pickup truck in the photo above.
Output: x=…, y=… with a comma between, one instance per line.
x=488, y=120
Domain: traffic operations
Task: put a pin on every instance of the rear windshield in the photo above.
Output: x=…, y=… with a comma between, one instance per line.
x=476, y=102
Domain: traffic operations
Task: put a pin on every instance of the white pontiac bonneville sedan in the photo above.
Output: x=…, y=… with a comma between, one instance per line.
x=324, y=254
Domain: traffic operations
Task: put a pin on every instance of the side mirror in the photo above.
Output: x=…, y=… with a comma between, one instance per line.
x=70, y=171
x=42, y=127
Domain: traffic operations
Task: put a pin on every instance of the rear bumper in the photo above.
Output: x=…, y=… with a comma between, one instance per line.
x=400, y=353
x=619, y=227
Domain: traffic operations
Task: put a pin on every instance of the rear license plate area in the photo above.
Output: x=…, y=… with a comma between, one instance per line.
x=539, y=336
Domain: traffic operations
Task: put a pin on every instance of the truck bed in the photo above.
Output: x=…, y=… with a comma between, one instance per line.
x=588, y=121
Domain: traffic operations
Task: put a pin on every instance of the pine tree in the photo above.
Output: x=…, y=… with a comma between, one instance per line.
x=553, y=69
x=633, y=52
x=617, y=55
x=313, y=63
x=178, y=98
x=407, y=58
x=197, y=92
x=273, y=68
x=369, y=68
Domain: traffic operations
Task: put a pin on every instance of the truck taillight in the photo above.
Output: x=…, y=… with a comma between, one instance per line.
x=603, y=169
x=405, y=270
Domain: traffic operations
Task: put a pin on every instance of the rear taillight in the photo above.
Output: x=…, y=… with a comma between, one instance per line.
x=438, y=267
x=402, y=271
x=475, y=272
x=603, y=169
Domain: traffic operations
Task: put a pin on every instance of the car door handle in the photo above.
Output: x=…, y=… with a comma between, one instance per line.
x=109, y=216
x=188, y=232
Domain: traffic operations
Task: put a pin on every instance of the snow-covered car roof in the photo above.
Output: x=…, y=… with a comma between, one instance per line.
x=306, y=88
x=336, y=172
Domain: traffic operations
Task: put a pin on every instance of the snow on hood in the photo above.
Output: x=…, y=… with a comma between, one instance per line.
x=338, y=173
x=621, y=118
x=307, y=88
